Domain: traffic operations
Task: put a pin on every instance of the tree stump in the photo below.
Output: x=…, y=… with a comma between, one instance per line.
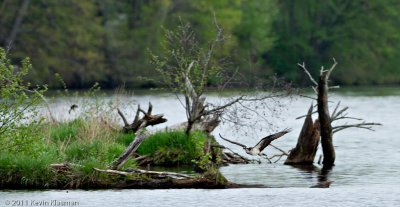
x=307, y=144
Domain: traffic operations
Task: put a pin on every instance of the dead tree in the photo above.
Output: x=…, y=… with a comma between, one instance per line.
x=307, y=144
x=141, y=122
x=326, y=119
x=186, y=69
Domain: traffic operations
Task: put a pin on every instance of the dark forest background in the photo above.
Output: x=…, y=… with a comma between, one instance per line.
x=106, y=41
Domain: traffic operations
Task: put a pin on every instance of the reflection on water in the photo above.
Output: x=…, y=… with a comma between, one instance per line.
x=366, y=170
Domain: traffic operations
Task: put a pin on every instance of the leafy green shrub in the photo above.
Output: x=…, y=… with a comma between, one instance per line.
x=18, y=117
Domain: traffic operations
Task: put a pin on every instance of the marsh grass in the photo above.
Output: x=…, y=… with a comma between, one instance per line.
x=173, y=147
x=89, y=144
x=84, y=142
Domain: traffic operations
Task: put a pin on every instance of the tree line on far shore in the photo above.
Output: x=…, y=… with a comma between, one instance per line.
x=108, y=41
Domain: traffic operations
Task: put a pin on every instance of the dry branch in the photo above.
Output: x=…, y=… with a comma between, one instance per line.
x=141, y=122
x=362, y=125
x=303, y=66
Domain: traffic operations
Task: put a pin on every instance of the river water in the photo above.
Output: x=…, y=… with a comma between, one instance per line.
x=366, y=171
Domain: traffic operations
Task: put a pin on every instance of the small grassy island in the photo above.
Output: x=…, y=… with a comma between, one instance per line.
x=65, y=155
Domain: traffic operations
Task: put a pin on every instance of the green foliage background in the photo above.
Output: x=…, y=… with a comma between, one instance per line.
x=106, y=41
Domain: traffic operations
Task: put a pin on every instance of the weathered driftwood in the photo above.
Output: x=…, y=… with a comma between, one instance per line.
x=143, y=160
x=307, y=144
x=139, y=123
x=138, y=178
x=63, y=167
x=133, y=146
x=234, y=158
x=153, y=174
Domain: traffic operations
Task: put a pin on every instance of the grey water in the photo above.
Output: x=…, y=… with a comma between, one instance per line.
x=366, y=171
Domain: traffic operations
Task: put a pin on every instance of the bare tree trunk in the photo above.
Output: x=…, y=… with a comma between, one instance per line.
x=325, y=121
x=307, y=144
x=17, y=23
x=189, y=127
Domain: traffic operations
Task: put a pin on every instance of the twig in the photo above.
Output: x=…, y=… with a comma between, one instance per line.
x=314, y=112
x=281, y=150
x=331, y=69
x=308, y=97
x=334, y=111
x=278, y=155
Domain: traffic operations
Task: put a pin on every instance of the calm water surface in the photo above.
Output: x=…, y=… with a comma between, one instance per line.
x=366, y=172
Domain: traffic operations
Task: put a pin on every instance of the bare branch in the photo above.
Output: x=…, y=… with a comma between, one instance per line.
x=123, y=117
x=362, y=125
x=303, y=66
x=331, y=69
x=281, y=150
x=334, y=87
x=141, y=122
x=348, y=117
x=277, y=155
x=220, y=108
x=150, y=108
x=334, y=111
x=314, y=112
x=315, y=89
x=141, y=110
x=304, y=96
x=137, y=114
x=340, y=112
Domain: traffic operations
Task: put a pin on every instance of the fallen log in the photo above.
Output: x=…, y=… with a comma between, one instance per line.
x=133, y=146
x=153, y=174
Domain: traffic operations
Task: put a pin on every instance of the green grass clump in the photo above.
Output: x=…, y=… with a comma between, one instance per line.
x=173, y=148
x=65, y=131
x=103, y=152
x=124, y=139
x=26, y=170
